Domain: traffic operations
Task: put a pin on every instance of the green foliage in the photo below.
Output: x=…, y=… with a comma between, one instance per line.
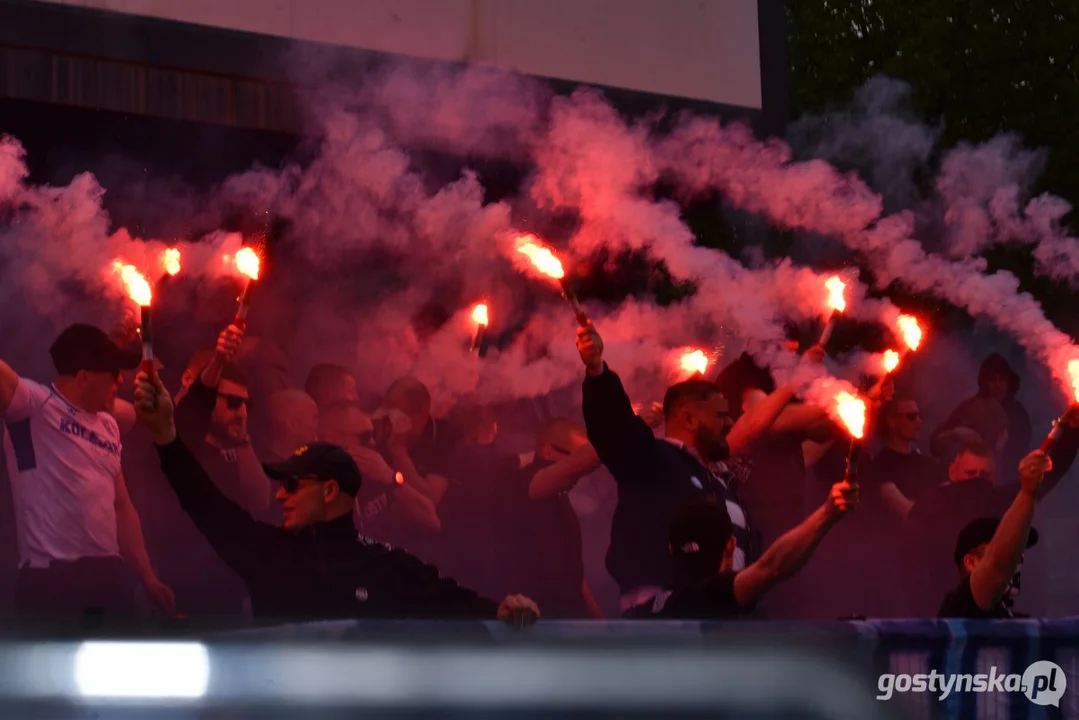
x=980, y=67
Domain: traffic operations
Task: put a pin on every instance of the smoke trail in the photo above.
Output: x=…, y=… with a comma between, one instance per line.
x=877, y=136
x=982, y=191
x=704, y=157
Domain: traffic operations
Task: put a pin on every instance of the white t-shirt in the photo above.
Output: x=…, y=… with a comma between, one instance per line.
x=63, y=464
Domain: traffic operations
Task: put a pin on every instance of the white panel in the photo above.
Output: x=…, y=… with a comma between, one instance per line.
x=702, y=49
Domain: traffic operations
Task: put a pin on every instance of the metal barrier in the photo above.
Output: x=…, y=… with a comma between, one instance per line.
x=614, y=668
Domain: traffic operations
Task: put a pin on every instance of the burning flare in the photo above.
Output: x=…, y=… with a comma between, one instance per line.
x=835, y=286
x=247, y=261
x=910, y=330
x=694, y=361
x=541, y=257
x=1073, y=372
x=479, y=314
x=171, y=261
x=138, y=289
x=891, y=361
x=851, y=410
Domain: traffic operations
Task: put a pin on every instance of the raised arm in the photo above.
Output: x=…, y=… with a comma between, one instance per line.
x=792, y=550
x=622, y=440
x=245, y=544
x=564, y=474
x=995, y=571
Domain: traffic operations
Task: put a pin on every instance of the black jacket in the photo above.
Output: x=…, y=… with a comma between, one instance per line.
x=322, y=572
x=654, y=477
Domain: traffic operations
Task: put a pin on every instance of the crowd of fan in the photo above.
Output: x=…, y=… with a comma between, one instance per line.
x=240, y=499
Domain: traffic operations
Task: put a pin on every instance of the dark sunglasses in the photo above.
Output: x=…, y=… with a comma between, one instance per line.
x=292, y=483
x=233, y=401
x=912, y=416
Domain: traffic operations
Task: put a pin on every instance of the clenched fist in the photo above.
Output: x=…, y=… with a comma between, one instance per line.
x=153, y=408
x=844, y=498
x=1032, y=471
x=229, y=342
x=590, y=346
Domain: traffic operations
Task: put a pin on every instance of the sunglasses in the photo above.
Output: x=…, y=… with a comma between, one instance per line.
x=292, y=483
x=233, y=401
x=912, y=416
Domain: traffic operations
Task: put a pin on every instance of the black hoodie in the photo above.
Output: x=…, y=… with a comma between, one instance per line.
x=326, y=571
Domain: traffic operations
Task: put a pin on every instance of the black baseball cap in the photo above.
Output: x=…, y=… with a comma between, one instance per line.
x=323, y=461
x=979, y=532
x=85, y=347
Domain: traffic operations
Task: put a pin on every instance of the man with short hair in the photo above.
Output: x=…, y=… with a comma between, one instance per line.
x=900, y=473
x=315, y=566
x=75, y=520
x=988, y=551
x=328, y=383
x=389, y=498
x=970, y=492
x=657, y=475
x=702, y=552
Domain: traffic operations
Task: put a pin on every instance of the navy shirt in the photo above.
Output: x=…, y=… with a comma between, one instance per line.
x=654, y=479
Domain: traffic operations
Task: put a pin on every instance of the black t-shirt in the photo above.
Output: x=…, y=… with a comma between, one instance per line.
x=546, y=562
x=913, y=473
x=436, y=452
x=960, y=603
x=708, y=599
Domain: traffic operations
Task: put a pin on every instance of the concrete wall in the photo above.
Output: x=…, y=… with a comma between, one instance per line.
x=698, y=49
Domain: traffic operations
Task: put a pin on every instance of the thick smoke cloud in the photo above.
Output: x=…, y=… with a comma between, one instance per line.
x=982, y=194
x=376, y=238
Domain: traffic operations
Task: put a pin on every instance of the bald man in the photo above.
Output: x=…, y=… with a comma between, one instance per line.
x=294, y=421
x=328, y=384
x=386, y=497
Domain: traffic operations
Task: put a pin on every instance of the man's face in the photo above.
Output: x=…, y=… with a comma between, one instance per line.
x=997, y=387
x=968, y=466
x=905, y=422
x=229, y=419
x=303, y=502
x=349, y=431
x=344, y=389
x=710, y=421
x=99, y=389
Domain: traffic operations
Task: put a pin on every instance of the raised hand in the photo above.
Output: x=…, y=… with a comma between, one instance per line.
x=590, y=346
x=1032, y=471
x=153, y=408
x=844, y=498
x=229, y=342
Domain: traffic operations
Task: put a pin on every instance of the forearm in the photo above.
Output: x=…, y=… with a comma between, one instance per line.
x=895, y=500
x=415, y=507
x=254, y=489
x=194, y=412
x=564, y=474
x=433, y=487
x=131, y=542
x=792, y=550
x=614, y=430
x=757, y=420
x=211, y=374
x=1010, y=540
